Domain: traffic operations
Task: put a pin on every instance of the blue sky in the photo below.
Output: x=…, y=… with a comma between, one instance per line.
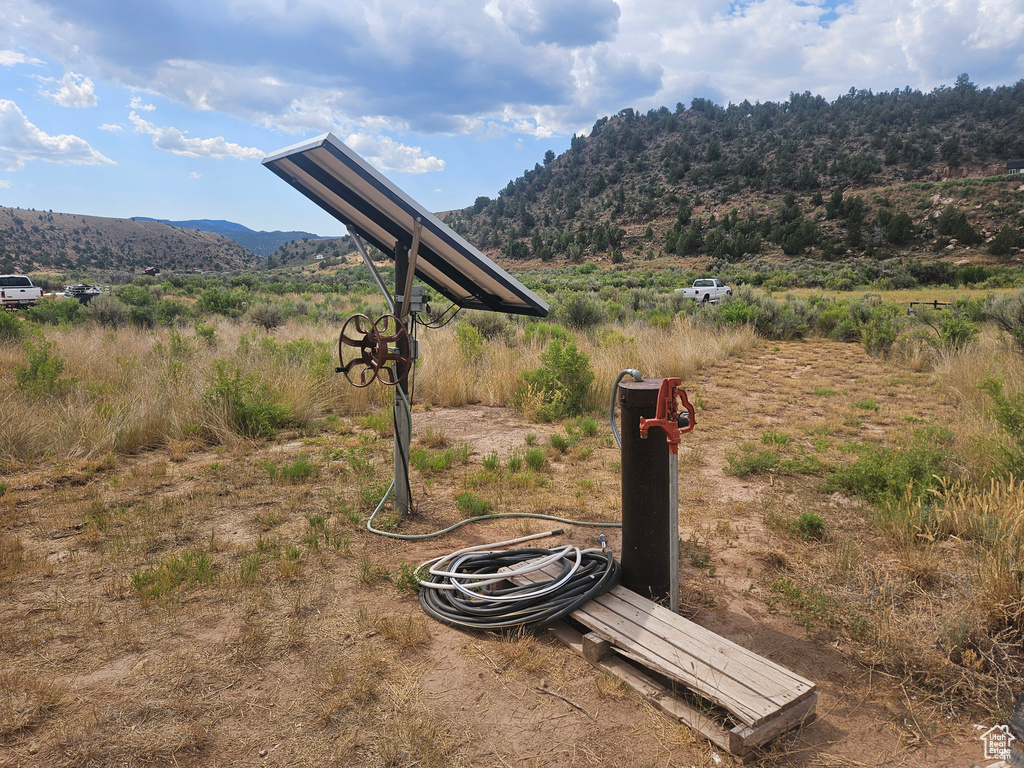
x=165, y=108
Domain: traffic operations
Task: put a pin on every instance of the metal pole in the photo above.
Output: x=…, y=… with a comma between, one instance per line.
x=673, y=530
x=361, y=247
x=402, y=418
x=410, y=270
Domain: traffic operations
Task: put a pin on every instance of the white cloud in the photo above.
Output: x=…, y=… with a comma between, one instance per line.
x=6, y=183
x=173, y=140
x=21, y=142
x=527, y=67
x=388, y=155
x=73, y=90
x=136, y=103
x=13, y=58
x=195, y=175
x=112, y=127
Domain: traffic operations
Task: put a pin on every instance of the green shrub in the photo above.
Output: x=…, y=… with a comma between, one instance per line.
x=11, y=327
x=535, y=458
x=736, y=311
x=563, y=381
x=134, y=296
x=1007, y=312
x=742, y=464
x=41, y=376
x=956, y=332
x=515, y=460
x=426, y=460
x=579, y=311
x=57, y=312
x=886, y=475
x=252, y=406
x=545, y=332
x=166, y=580
x=770, y=317
x=881, y=330
x=493, y=326
x=810, y=525
x=267, y=315
x=1005, y=241
x=409, y=576
x=469, y=341
x=491, y=461
x=301, y=468
x=560, y=442
x=222, y=301
x=471, y=505
x=1009, y=412
x=774, y=437
x=954, y=223
x=207, y=333
x=168, y=311
x=108, y=310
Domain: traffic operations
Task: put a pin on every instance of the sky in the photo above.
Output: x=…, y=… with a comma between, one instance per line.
x=165, y=108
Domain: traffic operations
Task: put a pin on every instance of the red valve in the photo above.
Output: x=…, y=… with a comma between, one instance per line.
x=667, y=415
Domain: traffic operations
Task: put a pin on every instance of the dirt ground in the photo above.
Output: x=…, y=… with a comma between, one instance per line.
x=301, y=649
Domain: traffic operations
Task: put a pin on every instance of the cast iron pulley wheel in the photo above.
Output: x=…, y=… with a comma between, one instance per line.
x=380, y=343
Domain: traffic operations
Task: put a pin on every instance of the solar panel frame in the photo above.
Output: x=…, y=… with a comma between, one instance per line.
x=343, y=184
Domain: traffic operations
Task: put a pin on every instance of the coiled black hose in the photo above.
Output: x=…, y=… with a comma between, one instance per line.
x=454, y=600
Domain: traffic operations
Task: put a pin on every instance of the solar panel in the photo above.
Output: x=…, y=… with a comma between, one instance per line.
x=338, y=180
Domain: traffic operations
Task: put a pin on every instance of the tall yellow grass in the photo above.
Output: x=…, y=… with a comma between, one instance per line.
x=445, y=377
x=959, y=373
x=133, y=389
x=991, y=519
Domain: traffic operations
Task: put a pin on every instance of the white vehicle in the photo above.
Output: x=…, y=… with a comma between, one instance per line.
x=18, y=291
x=706, y=290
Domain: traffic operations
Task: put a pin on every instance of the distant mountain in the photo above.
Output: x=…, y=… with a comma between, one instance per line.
x=261, y=243
x=32, y=240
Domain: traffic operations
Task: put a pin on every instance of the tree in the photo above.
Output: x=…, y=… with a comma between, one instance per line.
x=900, y=229
x=1005, y=241
x=549, y=157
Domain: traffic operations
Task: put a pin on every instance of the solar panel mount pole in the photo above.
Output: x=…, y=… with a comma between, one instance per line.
x=405, y=269
x=361, y=247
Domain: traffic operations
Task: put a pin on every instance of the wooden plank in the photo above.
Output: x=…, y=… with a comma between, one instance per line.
x=802, y=713
x=736, y=652
x=693, y=672
x=697, y=639
x=657, y=695
x=749, y=693
x=749, y=686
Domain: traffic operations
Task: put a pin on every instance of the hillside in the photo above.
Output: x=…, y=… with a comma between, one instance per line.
x=71, y=242
x=306, y=250
x=888, y=175
x=261, y=243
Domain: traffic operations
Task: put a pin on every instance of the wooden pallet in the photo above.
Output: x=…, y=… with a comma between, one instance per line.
x=763, y=698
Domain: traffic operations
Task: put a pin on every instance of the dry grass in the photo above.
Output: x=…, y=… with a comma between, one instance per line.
x=445, y=378
x=300, y=646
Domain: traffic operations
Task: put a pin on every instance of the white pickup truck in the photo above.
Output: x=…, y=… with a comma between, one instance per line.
x=706, y=290
x=18, y=291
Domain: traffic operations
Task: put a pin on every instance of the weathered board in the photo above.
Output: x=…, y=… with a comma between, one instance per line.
x=763, y=698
